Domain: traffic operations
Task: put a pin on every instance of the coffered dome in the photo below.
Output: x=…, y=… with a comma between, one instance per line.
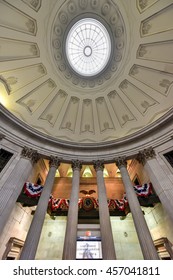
x=86, y=71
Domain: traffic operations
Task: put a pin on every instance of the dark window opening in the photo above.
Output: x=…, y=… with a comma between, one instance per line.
x=169, y=157
x=4, y=158
x=136, y=181
x=38, y=182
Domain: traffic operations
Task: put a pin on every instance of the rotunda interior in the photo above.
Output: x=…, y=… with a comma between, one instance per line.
x=86, y=110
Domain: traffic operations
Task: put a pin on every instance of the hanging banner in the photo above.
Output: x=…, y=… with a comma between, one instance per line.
x=60, y=203
x=119, y=204
x=32, y=190
x=143, y=190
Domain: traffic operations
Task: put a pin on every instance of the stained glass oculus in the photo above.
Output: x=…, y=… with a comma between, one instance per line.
x=88, y=47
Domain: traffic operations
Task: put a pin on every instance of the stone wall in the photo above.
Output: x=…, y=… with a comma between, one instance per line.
x=52, y=239
x=125, y=239
x=17, y=226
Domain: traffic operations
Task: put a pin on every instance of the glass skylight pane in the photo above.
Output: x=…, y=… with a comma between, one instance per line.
x=88, y=47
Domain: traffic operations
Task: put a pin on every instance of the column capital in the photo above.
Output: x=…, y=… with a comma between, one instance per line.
x=145, y=154
x=98, y=165
x=76, y=164
x=54, y=162
x=30, y=154
x=120, y=161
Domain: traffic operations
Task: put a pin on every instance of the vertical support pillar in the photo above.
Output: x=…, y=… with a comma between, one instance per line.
x=108, y=250
x=69, y=251
x=12, y=187
x=33, y=236
x=145, y=239
x=160, y=181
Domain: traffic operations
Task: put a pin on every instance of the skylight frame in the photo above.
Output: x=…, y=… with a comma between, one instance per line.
x=88, y=47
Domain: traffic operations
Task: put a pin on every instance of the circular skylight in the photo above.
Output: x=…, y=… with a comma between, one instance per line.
x=88, y=47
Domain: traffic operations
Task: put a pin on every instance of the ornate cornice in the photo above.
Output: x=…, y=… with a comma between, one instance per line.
x=146, y=154
x=30, y=154
x=98, y=165
x=120, y=162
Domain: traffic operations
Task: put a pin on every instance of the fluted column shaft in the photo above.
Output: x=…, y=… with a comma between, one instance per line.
x=160, y=181
x=33, y=236
x=69, y=251
x=12, y=187
x=145, y=239
x=108, y=250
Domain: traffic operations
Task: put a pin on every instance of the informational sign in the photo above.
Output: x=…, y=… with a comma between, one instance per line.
x=88, y=249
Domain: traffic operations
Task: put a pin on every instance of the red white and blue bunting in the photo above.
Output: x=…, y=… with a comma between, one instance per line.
x=32, y=190
x=87, y=203
x=120, y=204
x=143, y=190
x=60, y=203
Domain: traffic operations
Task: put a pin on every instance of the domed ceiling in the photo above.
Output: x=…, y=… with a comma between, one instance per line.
x=39, y=86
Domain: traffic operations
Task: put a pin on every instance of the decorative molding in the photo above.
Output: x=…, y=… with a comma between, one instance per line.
x=142, y=5
x=165, y=83
x=95, y=3
x=122, y=112
x=70, y=114
x=12, y=49
x=34, y=4
x=105, y=120
x=145, y=155
x=32, y=72
x=76, y=164
x=54, y=161
x=53, y=109
x=83, y=4
x=6, y=85
x=156, y=51
x=158, y=80
x=121, y=162
x=25, y=23
x=145, y=28
x=140, y=99
x=98, y=165
x=108, y=12
x=87, y=118
x=31, y=101
x=30, y=154
x=151, y=25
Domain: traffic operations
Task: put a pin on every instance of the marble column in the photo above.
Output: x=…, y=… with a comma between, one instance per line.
x=69, y=251
x=108, y=250
x=12, y=187
x=33, y=236
x=160, y=181
x=144, y=236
